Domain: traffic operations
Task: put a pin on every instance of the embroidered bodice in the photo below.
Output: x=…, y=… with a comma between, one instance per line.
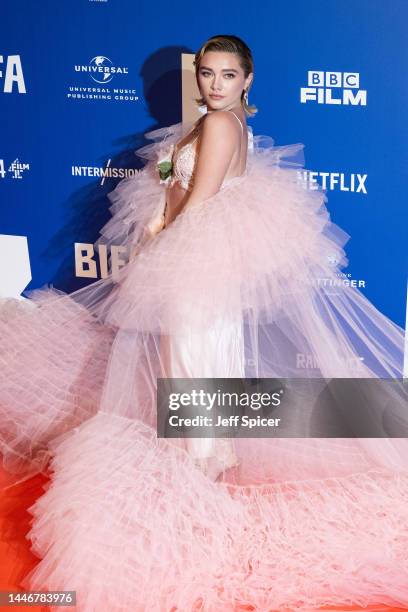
x=184, y=162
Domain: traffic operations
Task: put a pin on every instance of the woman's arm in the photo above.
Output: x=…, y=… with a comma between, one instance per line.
x=220, y=138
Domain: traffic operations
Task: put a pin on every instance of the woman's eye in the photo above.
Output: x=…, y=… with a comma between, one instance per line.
x=229, y=75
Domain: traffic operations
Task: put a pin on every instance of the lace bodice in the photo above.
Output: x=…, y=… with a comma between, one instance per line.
x=183, y=166
x=184, y=162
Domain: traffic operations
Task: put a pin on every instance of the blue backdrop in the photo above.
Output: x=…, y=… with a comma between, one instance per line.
x=61, y=122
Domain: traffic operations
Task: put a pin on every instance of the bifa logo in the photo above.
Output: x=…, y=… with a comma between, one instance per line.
x=333, y=88
x=91, y=263
x=11, y=72
x=15, y=169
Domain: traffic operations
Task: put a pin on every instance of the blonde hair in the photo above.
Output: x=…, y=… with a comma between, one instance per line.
x=229, y=44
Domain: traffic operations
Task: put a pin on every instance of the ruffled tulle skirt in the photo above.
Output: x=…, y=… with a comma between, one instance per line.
x=245, y=284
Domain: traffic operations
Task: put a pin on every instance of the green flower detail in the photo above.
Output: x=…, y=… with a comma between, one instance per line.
x=165, y=165
x=165, y=169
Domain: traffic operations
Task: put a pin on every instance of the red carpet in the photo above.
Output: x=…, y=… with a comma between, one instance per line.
x=15, y=555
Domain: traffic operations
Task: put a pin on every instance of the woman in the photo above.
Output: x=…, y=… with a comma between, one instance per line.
x=224, y=282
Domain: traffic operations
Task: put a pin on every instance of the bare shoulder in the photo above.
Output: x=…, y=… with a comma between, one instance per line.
x=220, y=123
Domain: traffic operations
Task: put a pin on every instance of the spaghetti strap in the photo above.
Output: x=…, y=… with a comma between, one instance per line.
x=240, y=122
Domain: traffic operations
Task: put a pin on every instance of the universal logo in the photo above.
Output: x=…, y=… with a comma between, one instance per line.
x=333, y=181
x=102, y=71
x=333, y=88
x=107, y=172
x=12, y=75
x=16, y=169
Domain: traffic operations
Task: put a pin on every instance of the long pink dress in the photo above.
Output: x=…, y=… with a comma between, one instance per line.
x=231, y=288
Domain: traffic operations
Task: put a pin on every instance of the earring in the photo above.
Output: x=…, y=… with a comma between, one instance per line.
x=246, y=96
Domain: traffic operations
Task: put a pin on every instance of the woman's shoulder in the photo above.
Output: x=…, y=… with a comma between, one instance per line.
x=221, y=125
x=220, y=119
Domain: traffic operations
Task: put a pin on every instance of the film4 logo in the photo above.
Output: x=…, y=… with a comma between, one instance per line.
x=11, y=72
x=16, y=169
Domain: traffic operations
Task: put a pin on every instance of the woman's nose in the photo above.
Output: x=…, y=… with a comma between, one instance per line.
x=216, y=83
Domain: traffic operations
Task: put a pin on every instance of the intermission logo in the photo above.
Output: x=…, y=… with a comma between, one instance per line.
x=334, y=181
x=11, y=72
x=333, y=88
x=107, y=172
x=102, y=71
x=14, y=170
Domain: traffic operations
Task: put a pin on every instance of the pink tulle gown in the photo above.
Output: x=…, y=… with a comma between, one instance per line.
x=231, y=288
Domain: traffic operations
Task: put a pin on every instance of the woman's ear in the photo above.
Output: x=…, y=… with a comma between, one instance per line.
x=248, y=80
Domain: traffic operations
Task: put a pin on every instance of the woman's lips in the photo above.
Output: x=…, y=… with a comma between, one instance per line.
x=216, y=97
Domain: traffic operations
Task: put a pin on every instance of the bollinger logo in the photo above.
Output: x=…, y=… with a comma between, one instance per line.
x=333, y=88
x=101, y=69
x=12, y=73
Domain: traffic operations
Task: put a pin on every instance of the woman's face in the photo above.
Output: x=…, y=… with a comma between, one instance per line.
x=221, y=80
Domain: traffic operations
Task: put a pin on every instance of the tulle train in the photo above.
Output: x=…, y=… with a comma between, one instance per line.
x=245, y=284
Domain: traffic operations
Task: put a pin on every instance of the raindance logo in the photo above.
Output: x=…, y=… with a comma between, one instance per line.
x=101, y=69
x=16, y=169
x=308, y=361
x=333, y=88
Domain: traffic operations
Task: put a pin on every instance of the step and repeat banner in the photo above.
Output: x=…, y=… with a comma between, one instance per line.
x=82, y=81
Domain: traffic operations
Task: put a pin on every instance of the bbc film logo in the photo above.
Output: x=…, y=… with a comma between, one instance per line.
x=333, y=88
